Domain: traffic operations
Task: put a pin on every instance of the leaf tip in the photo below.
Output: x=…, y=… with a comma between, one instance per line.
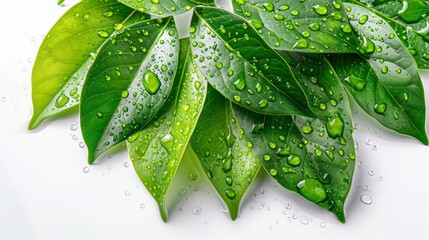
x=162, y=210
x=34, y=123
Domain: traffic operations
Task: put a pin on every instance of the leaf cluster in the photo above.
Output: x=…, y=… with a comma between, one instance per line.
x=265, y=86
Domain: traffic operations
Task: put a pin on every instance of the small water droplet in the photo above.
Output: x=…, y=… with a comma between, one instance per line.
x=193, y=176
x=304, y=220
x=197, y=210
x=85, y=169
x=142, y=206
x=369, y=142
x=127, y=193
x=126, y=164
x=81, y=144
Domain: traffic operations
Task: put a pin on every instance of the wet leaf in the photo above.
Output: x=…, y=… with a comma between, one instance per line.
x=227, y=158
x=414, y=36
x=165, y=7
x=128, y=83
x=156, y=151
x=387, y=85
x=241, y=66
x=302, y=26
x=311, y=156
x=67, y=52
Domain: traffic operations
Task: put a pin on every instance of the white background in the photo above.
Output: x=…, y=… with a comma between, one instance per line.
x=45, y=194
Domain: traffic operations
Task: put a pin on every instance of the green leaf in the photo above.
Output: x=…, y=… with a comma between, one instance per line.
x=304, y=26
x=226, y=157
x=241, y=65
x=128, y=83
x=165, y=7
x=156, y=151
x=60, y=2
x=414, y=36
x=311, y=156
x=387, y=86
x=67, y=51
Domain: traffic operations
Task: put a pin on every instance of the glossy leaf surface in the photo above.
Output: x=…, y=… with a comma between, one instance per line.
x=68, y=51
x=156, y=151
x=241, y=65
x=388, y=86
x=226, y=156
x=414, y=36
x=302, y=26
x=165, y=7
x=128, y=83
x=311, y=156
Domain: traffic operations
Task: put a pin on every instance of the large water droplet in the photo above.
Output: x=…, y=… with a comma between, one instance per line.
x=380, y=108
x=320, y=9
x=61, y=101
x=230, y=193
x=167, y=142
x=151, y=82
x=335, y=127
x=312, y=190
x=294, y=160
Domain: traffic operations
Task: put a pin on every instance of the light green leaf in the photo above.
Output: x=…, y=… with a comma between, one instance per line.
x=311, y=156
x=156, y=151
x=302, y=26
x=388, y=85
x=165, y=7
x=67, y=52
x=241, y=65
x=129, y=82
x=226, y=157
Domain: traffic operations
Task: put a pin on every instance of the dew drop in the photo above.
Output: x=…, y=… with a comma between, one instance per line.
x=197, y=210
x=366, y=199
x=312, y=190
x=151, y=82
x=61, y=101
x=230, y=193
x=320, y=9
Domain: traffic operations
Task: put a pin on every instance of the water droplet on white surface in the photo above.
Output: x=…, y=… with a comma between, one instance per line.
x=304, y=220
x=197, y=210
x=142, y=206
x=126, y=164
x=288, y=206
x=366, y=199
x=81, y=144
x=369, y=142
x=371, y=173
x=127, y=193
x=322, y=225
x=365, y=187
x=73, y=127
x=85, y=169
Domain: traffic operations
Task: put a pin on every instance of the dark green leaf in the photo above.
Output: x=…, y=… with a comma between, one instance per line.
x=414, y=36
x=241, y=65
x=311, y=156
x=67, y=51
x=128, y=83
x=156, y=151
x=303, y=26
x=226, y=157
x=165, y=7
x=387, y=85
